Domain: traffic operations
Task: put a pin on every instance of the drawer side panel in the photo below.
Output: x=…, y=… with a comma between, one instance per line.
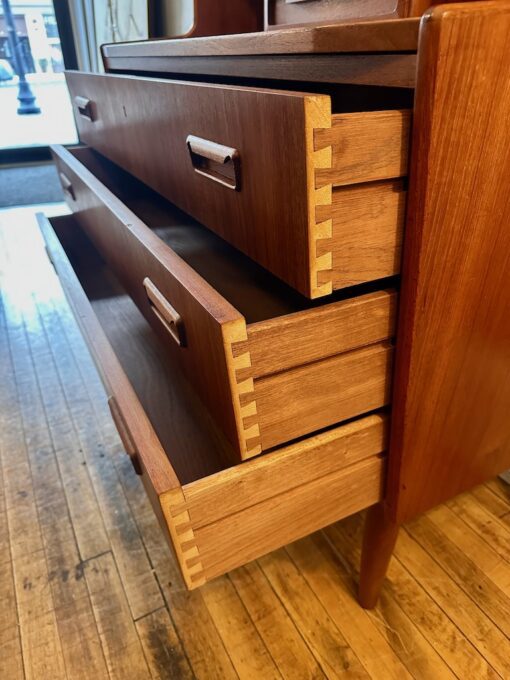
x=309, y=398
x=264, y=527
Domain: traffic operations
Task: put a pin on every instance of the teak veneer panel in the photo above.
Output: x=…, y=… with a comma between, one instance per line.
x=394, y=35
x=134, y=253
x=263, y=125
x=388, y=70
x=216, y=354
x=279, y=216
x=221, y=520
x=452, y=392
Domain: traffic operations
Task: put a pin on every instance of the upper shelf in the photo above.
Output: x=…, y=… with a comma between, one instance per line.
x=393, y=35
x=361, y=53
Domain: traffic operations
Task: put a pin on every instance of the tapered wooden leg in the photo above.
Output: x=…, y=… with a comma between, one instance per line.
x=379, y=537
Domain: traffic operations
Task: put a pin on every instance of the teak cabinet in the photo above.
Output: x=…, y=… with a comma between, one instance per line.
x=338, y=314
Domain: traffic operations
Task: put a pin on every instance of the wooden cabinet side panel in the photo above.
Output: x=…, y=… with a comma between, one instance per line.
x=451, y=424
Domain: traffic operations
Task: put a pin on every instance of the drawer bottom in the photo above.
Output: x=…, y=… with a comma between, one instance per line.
x=217, y=516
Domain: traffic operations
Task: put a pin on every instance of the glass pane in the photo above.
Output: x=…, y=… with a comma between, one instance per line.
x=33, y=54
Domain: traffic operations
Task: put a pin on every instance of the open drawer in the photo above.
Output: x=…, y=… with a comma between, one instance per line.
x=315, y=197
x=270, y=365
x=217, y=517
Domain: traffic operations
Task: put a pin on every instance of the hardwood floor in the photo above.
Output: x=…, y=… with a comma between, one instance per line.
x=88, y=588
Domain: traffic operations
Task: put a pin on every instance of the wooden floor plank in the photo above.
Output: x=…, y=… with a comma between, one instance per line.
x=486, y=532
x=40, y=640
x=489, y=640
x=463, y=570
x=411, y=622
x=490, y=501
x=11, y=661
x=335, y=590
x=500, y=489
x=326, y=642
x=41, y=412
x=291, y=654
x=162, y=647
x=245, y=647
x=122, y=646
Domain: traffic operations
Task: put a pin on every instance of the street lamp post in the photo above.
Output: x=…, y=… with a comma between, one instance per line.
x=26, y=98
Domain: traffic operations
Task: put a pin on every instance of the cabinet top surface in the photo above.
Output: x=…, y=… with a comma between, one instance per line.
x=395, y=35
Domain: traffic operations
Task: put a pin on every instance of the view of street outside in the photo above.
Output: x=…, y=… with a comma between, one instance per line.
x=54, y=125
x=38, y=46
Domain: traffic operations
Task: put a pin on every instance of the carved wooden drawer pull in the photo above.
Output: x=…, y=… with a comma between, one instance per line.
x=85, y=108
x=67, y=186
x=215, y=161
x=166, y=314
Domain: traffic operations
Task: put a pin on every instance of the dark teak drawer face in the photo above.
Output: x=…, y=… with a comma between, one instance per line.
x=270, y=171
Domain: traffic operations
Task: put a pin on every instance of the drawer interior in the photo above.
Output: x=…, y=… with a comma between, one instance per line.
x=250, y=288
x=217, y=516
x=197, y=447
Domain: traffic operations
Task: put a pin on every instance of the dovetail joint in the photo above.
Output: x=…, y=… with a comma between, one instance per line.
x=181, y=530
x=243, y=390
x=319, y=158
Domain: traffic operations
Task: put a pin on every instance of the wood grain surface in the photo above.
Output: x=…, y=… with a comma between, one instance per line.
x=267, y=128
x=193, y=448
x=365, y=146
x=134, y=252
x=452, y=388
x=397, y=35
x=278, y=344
x=367, y=233
x=327, y=391
x=289, y=148
x=82, y=550
x=387, y=69
x=280, y=13
x=211, y=326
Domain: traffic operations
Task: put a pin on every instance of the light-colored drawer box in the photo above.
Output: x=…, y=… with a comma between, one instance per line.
x=319, y=198
x=216, y=517
x=270, y=369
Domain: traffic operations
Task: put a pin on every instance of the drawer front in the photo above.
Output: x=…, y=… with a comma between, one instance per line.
x=265, y=383
x=190, y=317
x=175, y=136
x=260, y=167
x=220, y=521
